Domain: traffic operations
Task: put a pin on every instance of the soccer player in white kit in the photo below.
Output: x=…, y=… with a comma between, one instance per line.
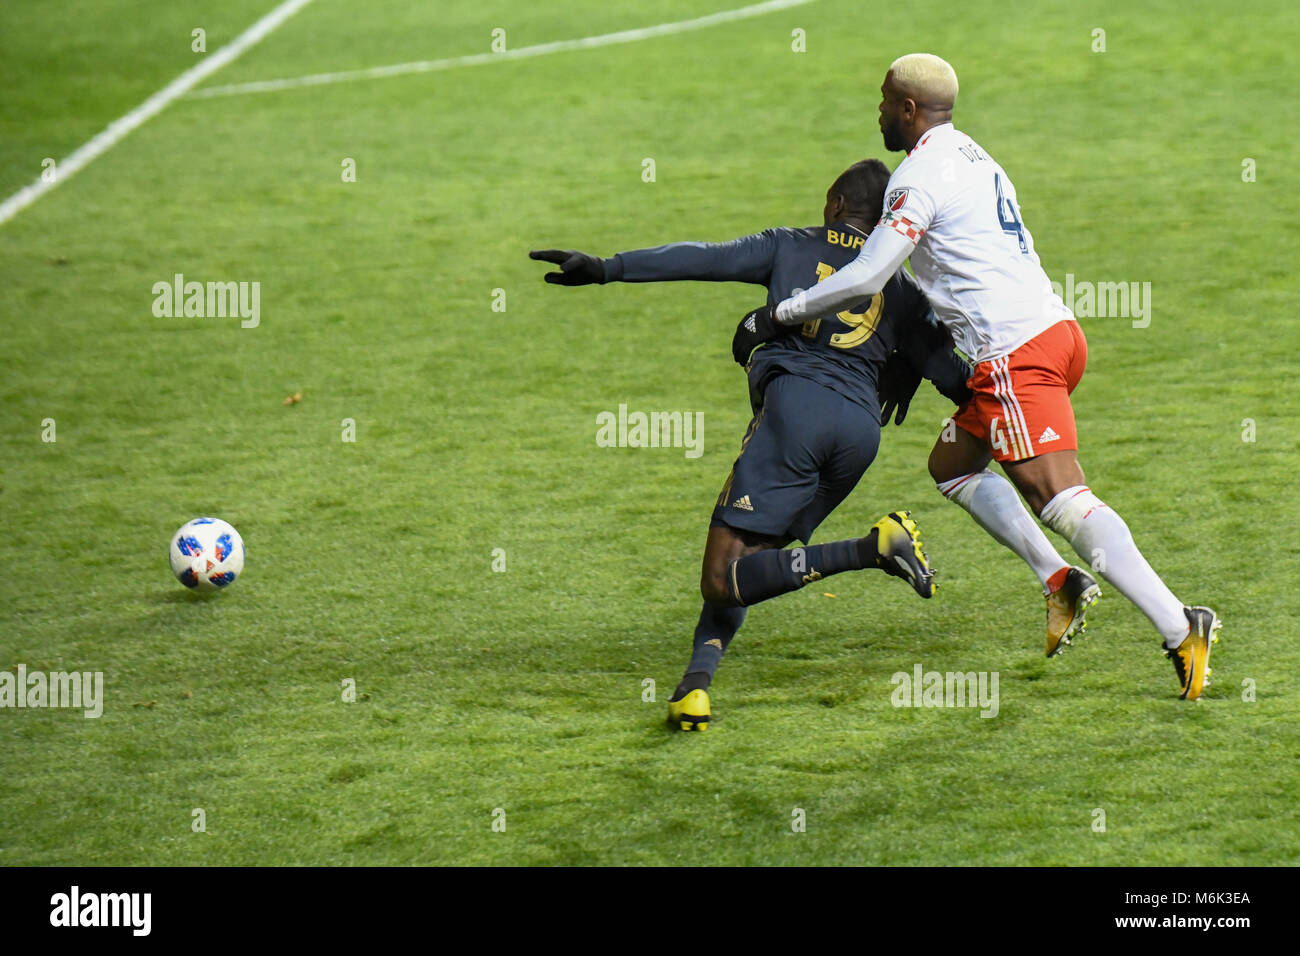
x=953, y=210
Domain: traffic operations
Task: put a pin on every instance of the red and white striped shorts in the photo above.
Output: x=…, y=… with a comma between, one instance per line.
x=1021, y=405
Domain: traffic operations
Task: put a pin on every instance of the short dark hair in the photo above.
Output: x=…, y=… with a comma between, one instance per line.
x=863, y=187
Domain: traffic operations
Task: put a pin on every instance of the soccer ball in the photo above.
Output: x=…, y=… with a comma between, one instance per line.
x=207, y=554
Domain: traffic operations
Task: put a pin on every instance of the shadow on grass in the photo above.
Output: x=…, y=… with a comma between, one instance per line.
x=183, y=596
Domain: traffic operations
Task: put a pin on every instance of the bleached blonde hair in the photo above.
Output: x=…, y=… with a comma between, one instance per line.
x=928, y=79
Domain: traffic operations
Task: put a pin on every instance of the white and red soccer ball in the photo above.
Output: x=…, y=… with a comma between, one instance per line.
x=207, y=554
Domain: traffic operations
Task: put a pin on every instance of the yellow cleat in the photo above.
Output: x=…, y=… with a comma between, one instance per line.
x=899, y=552
x=1066, y=607
x=691, y=712
x=1192, y=657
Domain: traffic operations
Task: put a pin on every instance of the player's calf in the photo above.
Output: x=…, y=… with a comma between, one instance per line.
x=1096, y=530
x=717, y=625
x=992, y=501
x=893, y=545
x=1100, y=536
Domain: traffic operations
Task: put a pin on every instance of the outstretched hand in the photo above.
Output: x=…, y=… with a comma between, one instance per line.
x=576, y=268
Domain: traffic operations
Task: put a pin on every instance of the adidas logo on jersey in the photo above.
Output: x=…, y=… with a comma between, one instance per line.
x=743, y=504
x=1048, y=435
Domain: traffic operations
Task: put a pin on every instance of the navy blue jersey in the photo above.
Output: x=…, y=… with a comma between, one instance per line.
x=844, y=353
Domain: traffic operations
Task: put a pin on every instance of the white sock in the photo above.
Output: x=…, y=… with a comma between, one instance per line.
x=995, y=506
x=1103, y=540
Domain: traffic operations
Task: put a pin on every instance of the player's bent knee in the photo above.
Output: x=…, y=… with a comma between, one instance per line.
x=944, y=474
x=937, y=472
x=713, y=588
x=726, y=546
x=945, y=465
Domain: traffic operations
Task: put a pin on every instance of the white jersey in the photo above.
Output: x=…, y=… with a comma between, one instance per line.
x=974, y=257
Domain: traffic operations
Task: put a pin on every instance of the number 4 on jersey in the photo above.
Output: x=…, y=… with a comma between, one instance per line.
x=1011, y=223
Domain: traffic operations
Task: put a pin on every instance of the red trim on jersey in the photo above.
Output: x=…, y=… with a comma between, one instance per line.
x=903, y=226
x=928, y=133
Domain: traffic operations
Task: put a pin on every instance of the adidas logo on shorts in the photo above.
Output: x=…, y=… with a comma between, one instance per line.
x=751, y=324
x=1048, y=435
x=743, y=504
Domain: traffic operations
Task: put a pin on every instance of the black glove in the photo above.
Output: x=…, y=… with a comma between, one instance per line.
x=754, y=329
x=578, y=268
x=898, y=383
x=927, y=346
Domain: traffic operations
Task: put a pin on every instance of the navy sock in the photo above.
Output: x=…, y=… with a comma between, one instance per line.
x=717, y=626
x=766, y=574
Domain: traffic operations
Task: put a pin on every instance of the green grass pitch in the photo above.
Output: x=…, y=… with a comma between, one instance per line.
x=522, y=691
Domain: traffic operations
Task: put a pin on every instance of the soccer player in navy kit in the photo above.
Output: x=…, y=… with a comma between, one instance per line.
x=816, y=393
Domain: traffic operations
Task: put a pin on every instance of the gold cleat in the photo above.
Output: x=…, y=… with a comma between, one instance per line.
x=1192, y=657
x=691, y=712
x=1066, y=607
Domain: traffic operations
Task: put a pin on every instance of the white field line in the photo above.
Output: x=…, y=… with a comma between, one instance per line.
x=478, y=59
x=178, y=87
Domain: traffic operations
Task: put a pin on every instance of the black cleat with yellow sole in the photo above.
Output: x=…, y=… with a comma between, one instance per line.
x=899, y=552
